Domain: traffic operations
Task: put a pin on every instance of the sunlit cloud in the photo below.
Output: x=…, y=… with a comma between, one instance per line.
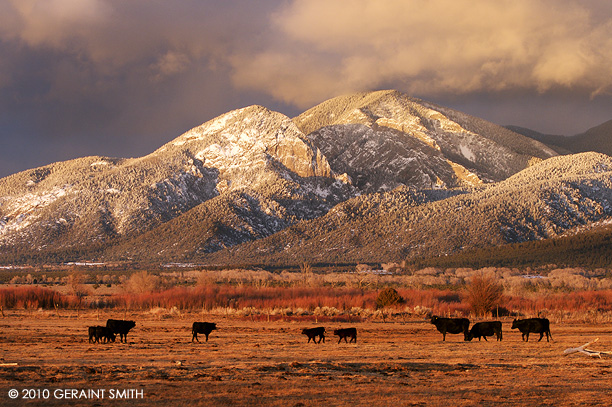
x=430, y=48
x=53, y=22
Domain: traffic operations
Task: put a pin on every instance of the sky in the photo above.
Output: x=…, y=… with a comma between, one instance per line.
x=121, y=78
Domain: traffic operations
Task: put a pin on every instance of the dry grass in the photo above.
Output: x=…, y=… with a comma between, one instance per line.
x=318, y=302
x=270, y=364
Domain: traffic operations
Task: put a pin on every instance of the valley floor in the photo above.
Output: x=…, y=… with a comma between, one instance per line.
x=270, y=364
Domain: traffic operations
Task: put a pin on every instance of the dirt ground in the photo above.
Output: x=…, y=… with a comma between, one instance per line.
x=49, y=360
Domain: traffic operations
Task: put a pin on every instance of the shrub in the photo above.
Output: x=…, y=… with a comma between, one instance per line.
x=388, y=297
x=32, y=297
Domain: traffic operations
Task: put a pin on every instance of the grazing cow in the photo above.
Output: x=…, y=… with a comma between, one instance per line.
x=202, y=328
x=121, y=327
x=536, y=325
x=452, y=326
x=312, y=333
x=92, y=334
x=484, y=329
x=100, y=332
x=346, y=333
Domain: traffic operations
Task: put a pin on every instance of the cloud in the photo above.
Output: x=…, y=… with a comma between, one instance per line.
x=432, y=47
x=52, y=22
x=102, y=55
x=122, y=77
x=117, y=36
x=116, y=77
x=171, y=63
x=304, y=51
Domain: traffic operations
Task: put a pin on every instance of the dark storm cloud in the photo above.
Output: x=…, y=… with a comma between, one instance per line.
x=84, y=77
x=121, y=78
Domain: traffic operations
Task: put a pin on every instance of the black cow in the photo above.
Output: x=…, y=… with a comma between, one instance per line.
x=100, y=332
x=202, y=328
x=452, y=326
x=121, y=327
x=346, y=333
x=92, y=334
x=536, y=325
x=312, y=333
x=484, y=329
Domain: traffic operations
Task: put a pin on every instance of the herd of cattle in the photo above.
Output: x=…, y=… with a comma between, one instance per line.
x=109, y=332
x=483, y=329
x=479, y=330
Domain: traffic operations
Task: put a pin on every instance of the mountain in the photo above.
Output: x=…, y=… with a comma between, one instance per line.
x=98, y=199
x=553, y=198
x=554, y=141
x=385, y=139
x=358, y=177
x=598, y=139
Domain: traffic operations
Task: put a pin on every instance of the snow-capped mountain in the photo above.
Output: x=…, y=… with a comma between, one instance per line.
x=386, y=139
x=358, y=171
x=555, y=197
x=97, y=199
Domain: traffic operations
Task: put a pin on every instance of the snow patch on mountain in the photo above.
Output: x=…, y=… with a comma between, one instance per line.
x=466, y=152
x=19, y=212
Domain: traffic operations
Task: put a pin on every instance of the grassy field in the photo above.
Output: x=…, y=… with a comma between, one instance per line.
x=270, y=364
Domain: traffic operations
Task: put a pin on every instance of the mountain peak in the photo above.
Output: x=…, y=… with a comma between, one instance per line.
x=385, y=138
x=408, y=170
x=248, y=139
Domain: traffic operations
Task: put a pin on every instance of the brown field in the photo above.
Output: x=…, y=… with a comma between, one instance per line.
x=250, y=363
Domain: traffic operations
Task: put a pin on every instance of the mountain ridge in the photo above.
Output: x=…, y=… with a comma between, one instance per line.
x=598, y=139
x=253, y=184
x=542, y=202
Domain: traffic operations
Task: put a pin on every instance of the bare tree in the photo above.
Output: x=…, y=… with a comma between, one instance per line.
x=76, y=281
x=484, y=293
x=308, y=278
x=142, y=282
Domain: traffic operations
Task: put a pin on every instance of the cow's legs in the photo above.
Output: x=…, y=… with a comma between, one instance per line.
x=541, y=336
x=206, y=337
x=485, y=338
